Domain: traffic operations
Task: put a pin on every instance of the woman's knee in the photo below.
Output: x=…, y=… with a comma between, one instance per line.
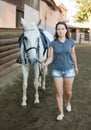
x=60, y=93
x=69, y=93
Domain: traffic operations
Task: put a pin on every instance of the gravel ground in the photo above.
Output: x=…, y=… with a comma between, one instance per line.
x=42, y=116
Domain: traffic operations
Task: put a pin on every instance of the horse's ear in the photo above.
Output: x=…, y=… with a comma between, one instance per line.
x=24, y=24
x=39, y=22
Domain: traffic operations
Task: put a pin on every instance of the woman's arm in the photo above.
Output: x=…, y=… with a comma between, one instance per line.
x=74, y=59
x=49, y=59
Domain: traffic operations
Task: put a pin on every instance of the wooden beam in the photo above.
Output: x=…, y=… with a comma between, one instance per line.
x=9, y=69
x=8, y=58
x=7, y=64
x=8, y=47
x=6, y=35
x=9, y=52
x=8, y=41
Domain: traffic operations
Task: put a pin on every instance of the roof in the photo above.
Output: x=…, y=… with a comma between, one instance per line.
x=55, y=4
x=50, y=4
x=58, y=3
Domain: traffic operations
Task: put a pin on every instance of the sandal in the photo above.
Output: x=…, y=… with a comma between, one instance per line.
x=68, y=108
x=60, y=117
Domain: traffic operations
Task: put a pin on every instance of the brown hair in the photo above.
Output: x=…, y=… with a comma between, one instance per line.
x=67, y=33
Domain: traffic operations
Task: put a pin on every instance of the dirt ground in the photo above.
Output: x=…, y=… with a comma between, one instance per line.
x=42, y=116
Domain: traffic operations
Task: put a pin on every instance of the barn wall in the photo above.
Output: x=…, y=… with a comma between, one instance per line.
x=8, y=49
x=49, y=17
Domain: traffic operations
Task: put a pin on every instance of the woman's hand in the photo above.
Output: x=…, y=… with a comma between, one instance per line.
x=43, y=65
x=76, y=70
x=49, y=59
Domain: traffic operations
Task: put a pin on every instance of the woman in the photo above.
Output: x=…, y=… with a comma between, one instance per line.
x=63, y=57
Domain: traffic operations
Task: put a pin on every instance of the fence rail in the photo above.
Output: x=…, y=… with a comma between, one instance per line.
x=81, y=38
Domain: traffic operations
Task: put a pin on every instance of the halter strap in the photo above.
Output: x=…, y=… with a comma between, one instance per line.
x=30, y=48
x=26, y=50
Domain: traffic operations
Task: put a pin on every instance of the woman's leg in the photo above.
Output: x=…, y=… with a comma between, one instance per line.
x=58, y=82
x=68, y=82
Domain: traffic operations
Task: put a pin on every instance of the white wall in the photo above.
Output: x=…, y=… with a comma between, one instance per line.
x=31, y=14
x=7, y=15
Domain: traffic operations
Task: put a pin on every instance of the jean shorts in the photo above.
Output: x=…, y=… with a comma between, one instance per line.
x=63, y=73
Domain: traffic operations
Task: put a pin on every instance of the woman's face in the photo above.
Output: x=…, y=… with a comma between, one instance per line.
x=61, y=30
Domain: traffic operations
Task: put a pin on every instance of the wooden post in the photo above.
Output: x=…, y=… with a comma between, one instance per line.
x=89, y=17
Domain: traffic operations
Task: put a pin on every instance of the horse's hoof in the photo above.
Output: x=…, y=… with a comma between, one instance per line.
x=36, y=101
x=23, y=104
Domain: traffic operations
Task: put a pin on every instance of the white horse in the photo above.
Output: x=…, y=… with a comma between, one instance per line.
x=32, y=52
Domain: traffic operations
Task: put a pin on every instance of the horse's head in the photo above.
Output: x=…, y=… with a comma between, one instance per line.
x=31, y=39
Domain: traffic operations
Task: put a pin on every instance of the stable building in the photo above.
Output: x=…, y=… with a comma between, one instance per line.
x=11, y=12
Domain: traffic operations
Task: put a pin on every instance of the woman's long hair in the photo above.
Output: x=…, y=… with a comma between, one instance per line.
x=67, y=33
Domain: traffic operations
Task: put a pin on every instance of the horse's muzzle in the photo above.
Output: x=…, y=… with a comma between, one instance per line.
x=32, y=61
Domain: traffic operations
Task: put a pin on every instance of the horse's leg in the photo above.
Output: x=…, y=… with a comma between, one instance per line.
x=39, y=81
x=36, y=72
x=25, y=70
x=43, y=80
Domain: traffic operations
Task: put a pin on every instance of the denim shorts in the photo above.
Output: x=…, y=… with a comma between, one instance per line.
x=63, y=73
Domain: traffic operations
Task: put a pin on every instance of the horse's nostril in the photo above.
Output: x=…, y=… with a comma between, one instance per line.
x=33, y=61
x=38, y=61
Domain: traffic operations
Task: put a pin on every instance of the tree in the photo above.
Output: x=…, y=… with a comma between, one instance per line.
x=84, y=10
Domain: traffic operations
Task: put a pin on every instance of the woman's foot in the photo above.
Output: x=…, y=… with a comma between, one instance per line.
x=68, y=108
x=60, y=117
